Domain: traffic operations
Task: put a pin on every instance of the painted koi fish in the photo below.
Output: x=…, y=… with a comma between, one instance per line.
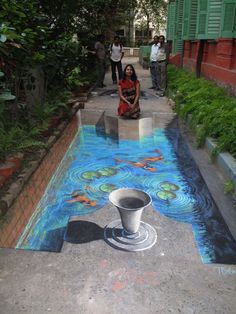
x=82, y=199
x=151, y=169
x=154, y=159
x=137, y=164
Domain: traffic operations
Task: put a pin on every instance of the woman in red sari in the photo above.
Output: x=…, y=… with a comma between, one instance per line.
x=129, y=92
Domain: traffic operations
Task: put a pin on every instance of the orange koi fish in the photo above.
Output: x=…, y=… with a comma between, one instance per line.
x=152, y=169
x=82, y=199
x=138, y=164
x=154, y=159
x=134, y=163
x=93, y=203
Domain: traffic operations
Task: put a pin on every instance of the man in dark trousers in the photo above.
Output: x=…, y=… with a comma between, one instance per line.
x=153, y=62
x=100, y=60
x=116, y=55
x=162, y=60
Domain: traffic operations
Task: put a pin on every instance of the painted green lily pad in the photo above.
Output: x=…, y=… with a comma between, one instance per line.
x=90, y=175
x=168, y=186
x=107, y=187
x=107, y=172
x=166, y=195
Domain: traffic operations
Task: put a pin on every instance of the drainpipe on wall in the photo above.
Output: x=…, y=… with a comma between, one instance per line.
x=200, y=57
x=182, y=55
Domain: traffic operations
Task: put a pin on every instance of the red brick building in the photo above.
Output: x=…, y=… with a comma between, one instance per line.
x=202, y=34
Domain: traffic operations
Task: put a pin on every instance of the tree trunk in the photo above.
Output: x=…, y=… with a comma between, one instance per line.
x=148, y=21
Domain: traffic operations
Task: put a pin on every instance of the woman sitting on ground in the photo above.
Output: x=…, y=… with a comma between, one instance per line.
x=129, y=92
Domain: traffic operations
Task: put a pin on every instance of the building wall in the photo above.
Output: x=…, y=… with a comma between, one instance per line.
x=212, y=23
x=218, y=63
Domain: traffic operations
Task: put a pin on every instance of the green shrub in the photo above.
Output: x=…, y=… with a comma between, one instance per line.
x=16, y=140
x=228, y=187
x=213, y=112
x=75, y=79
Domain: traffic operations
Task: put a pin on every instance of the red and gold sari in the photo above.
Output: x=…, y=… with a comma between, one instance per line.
x=129, y=92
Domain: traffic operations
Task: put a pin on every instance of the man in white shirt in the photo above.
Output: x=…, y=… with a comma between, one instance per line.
x=153, y=63
x=116, y=55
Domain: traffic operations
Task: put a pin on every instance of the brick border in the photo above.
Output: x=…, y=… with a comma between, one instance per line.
x=19, y=213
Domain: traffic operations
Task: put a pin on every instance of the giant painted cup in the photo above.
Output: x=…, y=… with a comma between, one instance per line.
x=130, y=204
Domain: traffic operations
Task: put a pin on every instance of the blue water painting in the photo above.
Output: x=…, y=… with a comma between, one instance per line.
x=160, y=164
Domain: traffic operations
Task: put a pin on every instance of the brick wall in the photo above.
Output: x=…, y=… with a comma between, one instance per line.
x=219, y=61
x=15, y=220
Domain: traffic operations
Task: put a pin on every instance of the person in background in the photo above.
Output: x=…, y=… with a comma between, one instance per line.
x=129, y=93
x=116, y=54
x=153, y=63
x=100, y=52
x=162, y=61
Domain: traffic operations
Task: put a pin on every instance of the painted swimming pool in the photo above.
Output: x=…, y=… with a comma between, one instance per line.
x=160, y=164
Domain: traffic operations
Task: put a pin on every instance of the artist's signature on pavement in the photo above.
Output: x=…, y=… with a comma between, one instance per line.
x=226, y=271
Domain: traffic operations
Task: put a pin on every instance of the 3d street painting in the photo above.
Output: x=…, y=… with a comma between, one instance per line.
x=159, y=164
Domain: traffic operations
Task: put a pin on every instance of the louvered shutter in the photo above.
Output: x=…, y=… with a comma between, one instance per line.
x=202, y=19
x=171, y=21
x=186, y=18
x=189, y=19
x=178, y=40
x=193, y=19
x=209, y=19
x=228, y=19
x=214, y=19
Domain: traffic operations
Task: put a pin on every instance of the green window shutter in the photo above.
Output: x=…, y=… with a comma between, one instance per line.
x=186, y=18
x=202, y=19
x=209, y=19
x=178, y=38
x=193, y=19
x=171, y=21
x=190, y=19
x=228, y=19
x=214, y=19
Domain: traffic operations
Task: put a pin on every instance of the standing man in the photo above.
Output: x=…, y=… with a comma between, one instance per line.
x=116, y=55
x=153, y=62
x=162, y=60
x=101, y=60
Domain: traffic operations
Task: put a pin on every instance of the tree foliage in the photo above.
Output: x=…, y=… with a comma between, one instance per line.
x=40, y=32
x=52, y=37
x=151, y=12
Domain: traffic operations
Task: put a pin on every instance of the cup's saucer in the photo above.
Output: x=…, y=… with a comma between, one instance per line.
x=115, y=235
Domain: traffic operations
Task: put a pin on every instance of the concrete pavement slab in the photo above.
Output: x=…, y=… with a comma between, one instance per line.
x=89, y=276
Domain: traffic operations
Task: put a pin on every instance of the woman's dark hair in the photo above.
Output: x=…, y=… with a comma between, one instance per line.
x=133, y=77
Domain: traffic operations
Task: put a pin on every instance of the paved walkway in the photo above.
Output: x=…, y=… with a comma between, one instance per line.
x=92, y=277
x=151, y=103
